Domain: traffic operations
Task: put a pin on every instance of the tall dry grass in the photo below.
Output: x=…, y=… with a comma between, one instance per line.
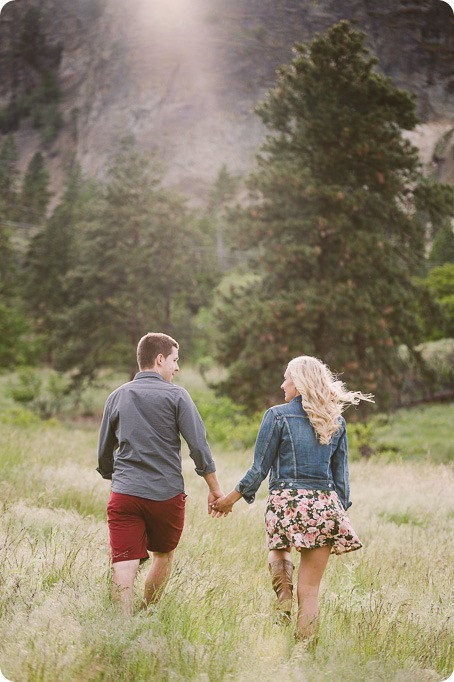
x=385, y=609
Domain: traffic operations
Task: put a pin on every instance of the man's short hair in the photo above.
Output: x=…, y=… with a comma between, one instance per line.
x=151, y=345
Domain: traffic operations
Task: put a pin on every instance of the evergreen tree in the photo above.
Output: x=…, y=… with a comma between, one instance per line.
x=12, y=319
x=8, y=199
x=35, y=194
x=50, y=256
x=136, y=270
x=443, y=247
x=8, y=176
x=220, y=198
x=440, y=281
x=332, y=225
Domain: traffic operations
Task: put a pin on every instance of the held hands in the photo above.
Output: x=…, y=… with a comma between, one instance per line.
x=222, y=506
x=213, y=506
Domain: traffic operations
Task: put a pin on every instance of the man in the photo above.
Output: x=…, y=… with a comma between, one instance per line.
x=140, y=450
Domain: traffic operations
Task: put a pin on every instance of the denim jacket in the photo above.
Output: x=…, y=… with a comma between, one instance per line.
x=287, y=447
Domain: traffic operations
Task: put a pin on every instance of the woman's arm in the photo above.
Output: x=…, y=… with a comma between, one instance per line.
x=265, y=451
x=339, y=467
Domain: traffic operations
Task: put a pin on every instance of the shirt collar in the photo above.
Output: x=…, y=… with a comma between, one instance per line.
x=149, y=374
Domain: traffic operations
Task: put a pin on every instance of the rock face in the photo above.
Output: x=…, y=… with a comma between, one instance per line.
x=183, y=76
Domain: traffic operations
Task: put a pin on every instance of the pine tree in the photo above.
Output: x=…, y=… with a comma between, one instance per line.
x=50, y=256
x=12, y=320
x=8, y=200
x=8, y=176
x=220, y=197
x=332, y=225
x=135, y=271
x=35, y=194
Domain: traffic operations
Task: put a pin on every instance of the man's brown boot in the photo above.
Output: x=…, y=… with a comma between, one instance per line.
x=281, y=578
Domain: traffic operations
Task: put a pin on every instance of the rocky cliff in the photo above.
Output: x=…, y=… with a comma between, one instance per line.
x=183, y=76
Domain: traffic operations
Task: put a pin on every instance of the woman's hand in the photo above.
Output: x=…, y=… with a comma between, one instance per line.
x=224, y=505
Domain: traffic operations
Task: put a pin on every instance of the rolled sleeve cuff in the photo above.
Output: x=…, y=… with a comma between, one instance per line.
x=107, y=475
x=208, y=469
x=249, y=497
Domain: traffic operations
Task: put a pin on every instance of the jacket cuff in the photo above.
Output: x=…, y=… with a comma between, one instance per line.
x=248, y=497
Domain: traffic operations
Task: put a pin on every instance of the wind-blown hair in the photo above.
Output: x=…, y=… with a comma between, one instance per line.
x=324, y=396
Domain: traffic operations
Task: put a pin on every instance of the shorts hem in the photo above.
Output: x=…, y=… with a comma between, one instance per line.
x=118, y=559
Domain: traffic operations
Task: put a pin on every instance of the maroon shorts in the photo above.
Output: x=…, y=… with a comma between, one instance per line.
x=137, y=524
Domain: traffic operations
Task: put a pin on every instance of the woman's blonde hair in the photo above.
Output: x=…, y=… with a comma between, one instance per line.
x=324, y=396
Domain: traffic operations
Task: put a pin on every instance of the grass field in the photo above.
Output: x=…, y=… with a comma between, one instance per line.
x=386, y=609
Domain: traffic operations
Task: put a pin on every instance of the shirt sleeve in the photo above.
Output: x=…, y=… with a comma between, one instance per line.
x=339, y=467
x=192, y=429
x=265, y=451
x=107, y=442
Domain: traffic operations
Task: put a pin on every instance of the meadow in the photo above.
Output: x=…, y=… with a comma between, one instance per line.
x=386, y=609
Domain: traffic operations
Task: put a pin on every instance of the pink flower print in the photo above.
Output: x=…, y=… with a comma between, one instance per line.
x=329, y=525
x=270, y=519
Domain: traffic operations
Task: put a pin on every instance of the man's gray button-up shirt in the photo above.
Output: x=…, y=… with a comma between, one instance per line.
x=139, y=442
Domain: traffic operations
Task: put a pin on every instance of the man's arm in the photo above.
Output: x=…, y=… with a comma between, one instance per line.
x=192, y=428
x=107, y=443
x=215, y=491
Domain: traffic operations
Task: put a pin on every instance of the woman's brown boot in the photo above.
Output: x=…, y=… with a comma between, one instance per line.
x=281, y=579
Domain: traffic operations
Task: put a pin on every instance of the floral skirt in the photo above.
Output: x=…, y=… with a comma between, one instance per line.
x=308, y=519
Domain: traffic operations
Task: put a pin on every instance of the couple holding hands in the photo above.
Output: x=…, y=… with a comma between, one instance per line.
x=301, y=444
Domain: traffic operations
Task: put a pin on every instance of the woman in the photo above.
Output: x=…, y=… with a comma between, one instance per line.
x=303, y=444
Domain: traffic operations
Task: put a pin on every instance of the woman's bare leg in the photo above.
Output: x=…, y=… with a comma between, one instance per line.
x=312, y=566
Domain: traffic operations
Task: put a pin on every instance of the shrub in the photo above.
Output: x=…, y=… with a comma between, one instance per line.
x=431, y=379
x=44, y=397
x=226, y=422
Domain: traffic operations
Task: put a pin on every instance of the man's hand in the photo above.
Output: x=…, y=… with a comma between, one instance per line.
x=212, y=499
x=215, y=491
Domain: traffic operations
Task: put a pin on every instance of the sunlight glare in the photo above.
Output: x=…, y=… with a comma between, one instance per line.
x=171, y=14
